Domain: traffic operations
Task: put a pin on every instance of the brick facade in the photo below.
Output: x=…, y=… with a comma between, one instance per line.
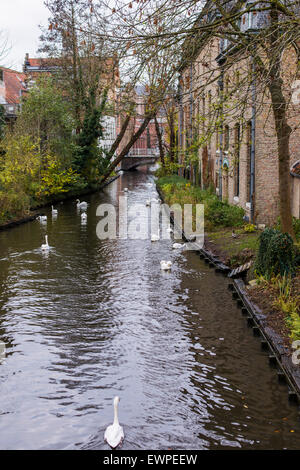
x=197, y=113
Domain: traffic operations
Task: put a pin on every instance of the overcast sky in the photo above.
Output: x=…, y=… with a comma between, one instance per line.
x=19, y=20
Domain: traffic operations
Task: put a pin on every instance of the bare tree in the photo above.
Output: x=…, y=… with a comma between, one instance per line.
x=189, y=25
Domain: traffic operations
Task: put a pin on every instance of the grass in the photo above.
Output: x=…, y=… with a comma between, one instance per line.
x=283, y=292
x=220, y=219
x=235, y=247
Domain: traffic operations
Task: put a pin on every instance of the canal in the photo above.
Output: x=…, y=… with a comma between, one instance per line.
x=93, y=319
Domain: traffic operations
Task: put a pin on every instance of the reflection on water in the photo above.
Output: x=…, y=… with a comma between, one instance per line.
x=91, y=319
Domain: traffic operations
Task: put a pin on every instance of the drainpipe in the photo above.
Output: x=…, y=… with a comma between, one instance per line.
x=221, y=88
x=252, y=152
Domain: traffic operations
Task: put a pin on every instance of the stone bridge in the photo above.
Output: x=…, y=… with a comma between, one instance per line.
x=139, y=157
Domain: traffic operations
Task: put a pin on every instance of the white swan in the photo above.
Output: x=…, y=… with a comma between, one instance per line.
x=114, y=434
x=83, y=216
x=165, y=265
x=176, y=246
x=42, y=218
x=45, y=246
x=54, y=211
x=81, y=205
x=154, y=237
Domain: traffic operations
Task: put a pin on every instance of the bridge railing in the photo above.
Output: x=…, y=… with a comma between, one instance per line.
x=137, y=152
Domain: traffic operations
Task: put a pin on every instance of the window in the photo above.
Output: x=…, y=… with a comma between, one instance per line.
x=237, y=136
x=249, y=133
x=226, y=138
x=250, y=19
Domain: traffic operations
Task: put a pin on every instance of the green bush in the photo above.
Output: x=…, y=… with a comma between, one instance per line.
x=168, y=169
x=249, y=228
x=223, y=214
x=217, y=213
x=12, y=205
x=293, y=322
x=276, y=254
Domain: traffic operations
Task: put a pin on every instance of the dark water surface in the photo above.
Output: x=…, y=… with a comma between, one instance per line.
x=94, y=318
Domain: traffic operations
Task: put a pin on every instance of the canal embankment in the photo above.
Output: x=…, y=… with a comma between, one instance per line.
x=261, y=301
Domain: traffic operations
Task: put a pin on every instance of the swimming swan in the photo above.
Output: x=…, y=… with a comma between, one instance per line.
x=178, y=245
x=42, y=218
x=45, y=246
x=154, y=238
x=114, y=434
x=54, y=211
x=81, y=205
x=165, y=265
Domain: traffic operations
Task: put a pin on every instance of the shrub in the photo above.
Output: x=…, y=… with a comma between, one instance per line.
x=217, y=213
x=13, y=204
x=169, y=168
x=276, y=254
x=293, y=322
x=223, y=214
x=288, y=304
x=249, y=228
x=56, y=180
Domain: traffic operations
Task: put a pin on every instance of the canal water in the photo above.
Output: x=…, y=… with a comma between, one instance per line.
x=94, y=319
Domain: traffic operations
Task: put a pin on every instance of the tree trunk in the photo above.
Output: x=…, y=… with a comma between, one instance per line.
x=172, y=137
x=283, y=130
x=120, y=136
x=160, y=142
x=127, y=147
x=205, y=169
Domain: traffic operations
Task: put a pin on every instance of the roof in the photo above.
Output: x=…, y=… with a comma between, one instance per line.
x=41, y=62
x=14, y=86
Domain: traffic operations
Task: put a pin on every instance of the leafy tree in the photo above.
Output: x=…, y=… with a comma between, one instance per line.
x=88, y=151
x=46, y=118
x=2, y=121
x=20, y=167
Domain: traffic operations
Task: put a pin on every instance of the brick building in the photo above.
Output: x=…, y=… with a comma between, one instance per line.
x=147, y=143
x=12, y=88
x=237, y=153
